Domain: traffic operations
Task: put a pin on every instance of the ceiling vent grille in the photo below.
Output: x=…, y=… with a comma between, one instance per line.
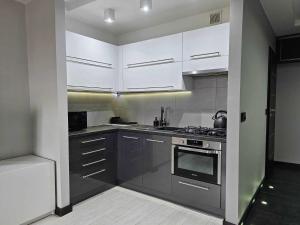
x=215, y=18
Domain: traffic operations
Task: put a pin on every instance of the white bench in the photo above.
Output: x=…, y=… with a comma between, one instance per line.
x=27, y=189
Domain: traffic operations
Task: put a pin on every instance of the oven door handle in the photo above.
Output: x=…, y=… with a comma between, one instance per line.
x=198, y=150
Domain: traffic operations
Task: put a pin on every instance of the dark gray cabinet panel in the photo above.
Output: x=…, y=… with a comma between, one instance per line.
x=157, y=163
x=93, y=166
x=130, y=158
x=195, y=193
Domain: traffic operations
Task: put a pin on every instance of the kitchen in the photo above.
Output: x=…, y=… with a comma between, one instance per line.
x=138, y=112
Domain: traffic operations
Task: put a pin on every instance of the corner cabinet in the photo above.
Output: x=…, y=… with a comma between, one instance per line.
x=153, y=65
x=91, y=64
x=206, y=48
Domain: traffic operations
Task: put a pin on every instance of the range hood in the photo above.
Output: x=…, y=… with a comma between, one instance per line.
x=211, y=72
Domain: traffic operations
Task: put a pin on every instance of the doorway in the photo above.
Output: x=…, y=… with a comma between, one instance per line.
x=271, y=112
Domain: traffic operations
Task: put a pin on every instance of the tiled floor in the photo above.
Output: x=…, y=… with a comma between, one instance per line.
x=279, y=200
x=120, y=206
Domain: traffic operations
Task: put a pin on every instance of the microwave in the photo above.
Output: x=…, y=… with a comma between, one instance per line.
x=77, y=121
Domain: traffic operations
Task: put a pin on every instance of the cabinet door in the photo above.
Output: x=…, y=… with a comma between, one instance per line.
x=90, y=77
x=155, y=51
x=153, y=78
x=83, y=47
x=157, y=164
x=130, y=158
x=93, y=165
x=206, y=42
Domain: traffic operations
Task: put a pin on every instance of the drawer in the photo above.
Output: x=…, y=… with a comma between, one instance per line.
x=91, y=167
x=195, y=193
x=95, y=142
x=95, y=155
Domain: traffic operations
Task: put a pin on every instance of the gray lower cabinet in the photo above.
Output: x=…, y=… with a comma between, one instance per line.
x=196, y=194
x=157, y=163
x=130, y=158
x=93, y=165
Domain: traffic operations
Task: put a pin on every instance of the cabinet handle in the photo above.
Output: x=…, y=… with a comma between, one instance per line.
x=134, y=138
x=92, y=163
x=89, y=62
x=93, y=140
x=206, y=55
x=84, y=88
x=150, y=88
x=150, y=63
x=195, y=186
x=91, y=152
x=92, y=174
x=156, y=141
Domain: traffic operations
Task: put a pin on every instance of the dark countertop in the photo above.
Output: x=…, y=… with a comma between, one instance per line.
x=139, y=128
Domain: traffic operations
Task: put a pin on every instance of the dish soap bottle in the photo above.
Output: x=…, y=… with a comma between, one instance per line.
x=156, y=122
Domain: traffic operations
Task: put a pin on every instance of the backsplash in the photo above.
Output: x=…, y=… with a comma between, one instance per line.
x=196, y=108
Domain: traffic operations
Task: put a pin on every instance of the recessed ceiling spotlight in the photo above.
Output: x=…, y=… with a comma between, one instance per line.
x=146, y=5
x=109, y=15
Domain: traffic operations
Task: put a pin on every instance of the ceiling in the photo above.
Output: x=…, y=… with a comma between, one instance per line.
x=284, y=15
x=130, y=18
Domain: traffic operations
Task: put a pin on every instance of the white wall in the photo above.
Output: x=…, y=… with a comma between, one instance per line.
x=48, y=87
x=90, y=31
x=15, y=134
x=177, y=26
x=257, y=36
x=208, y=95
x=287, y=120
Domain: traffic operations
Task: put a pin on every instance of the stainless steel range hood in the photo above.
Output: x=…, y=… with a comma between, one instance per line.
x=212, y=72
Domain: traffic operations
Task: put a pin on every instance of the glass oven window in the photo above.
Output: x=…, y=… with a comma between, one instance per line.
x=196, y=163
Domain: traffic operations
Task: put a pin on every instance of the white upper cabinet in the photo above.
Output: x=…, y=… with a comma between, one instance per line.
x=153, y=65
x=161, y=77
x=91, y=64
x=206, y=48
x=155, y=51
x=82, y=47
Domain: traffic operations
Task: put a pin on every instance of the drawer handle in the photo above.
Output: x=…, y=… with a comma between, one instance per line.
x=150, y=63
x=134, y=138
x=92, y=174
x=92, y=163
x=206, y=55
x=93, y=140
x=195, y=186
x=156, y=141
x=91, y=152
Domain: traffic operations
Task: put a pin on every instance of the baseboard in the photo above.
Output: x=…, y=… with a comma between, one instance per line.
x=245, y=214
x=287, y=165
x=63, y=211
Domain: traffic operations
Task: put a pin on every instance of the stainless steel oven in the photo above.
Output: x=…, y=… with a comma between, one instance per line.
x=197, y=159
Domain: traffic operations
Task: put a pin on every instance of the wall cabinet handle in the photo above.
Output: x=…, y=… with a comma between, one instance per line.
x=89, y=62
x=92, y=174
x=93, y=140
x=156, y=141
x=194, y=186
x=92, y=163
x=91, y=152
x=142, y=88
x=127, y=137
x=205, y=55
x=150, y=63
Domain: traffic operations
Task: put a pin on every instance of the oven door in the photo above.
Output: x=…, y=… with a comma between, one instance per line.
x=197, y=164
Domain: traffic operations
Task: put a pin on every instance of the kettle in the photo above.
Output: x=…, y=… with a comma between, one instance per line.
x=220, y=119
